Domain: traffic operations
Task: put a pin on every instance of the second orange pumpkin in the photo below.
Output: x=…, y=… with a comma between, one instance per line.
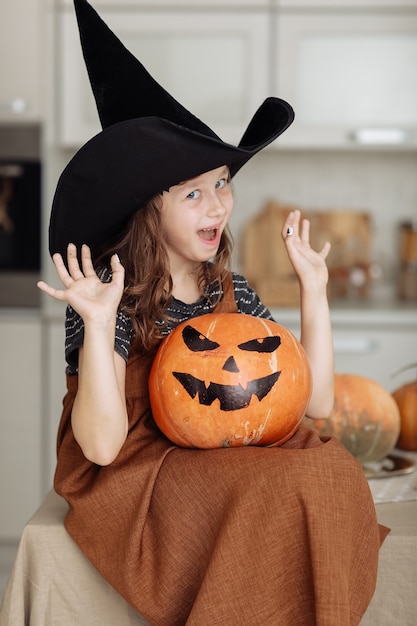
x=365, y=418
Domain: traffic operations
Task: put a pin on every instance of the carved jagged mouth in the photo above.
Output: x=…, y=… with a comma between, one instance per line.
x=231, y=397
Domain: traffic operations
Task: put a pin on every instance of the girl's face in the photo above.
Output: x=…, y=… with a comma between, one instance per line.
x=194, y=215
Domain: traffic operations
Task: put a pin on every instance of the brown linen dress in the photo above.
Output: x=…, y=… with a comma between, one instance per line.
x=231, y=537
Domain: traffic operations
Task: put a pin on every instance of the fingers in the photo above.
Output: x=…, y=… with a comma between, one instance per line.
x=325, y=250
x=294, y=229
x=63, y=275
x=72, y=259
x=67, y=276
x=305, y=231
x=73, y=265
x=74, y=270
x=118, y=270
x=58, y=294
x=116, y=264
x=61, y=270
x=74, y=274
x=87, y=263
x=291, y=225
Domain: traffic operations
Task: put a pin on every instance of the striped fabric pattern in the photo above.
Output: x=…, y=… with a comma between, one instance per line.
x=246, y=299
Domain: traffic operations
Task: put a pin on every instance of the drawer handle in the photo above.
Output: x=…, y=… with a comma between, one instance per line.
x=380, y=136
x=17, y=105
x=355, y=346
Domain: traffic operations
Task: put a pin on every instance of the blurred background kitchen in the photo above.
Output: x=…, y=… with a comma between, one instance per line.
x=349, y=162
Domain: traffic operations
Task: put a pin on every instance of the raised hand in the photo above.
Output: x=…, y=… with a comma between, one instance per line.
x=92, y=299
x=309, y=265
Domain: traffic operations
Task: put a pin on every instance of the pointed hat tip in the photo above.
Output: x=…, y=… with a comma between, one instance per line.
x=122, y=87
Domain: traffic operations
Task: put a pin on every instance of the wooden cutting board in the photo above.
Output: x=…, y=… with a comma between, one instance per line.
x=264, y=260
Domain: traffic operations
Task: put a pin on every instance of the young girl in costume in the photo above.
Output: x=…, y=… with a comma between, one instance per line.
x=138, y=234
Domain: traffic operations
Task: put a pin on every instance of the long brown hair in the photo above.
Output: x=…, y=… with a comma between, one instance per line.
x=148, y=283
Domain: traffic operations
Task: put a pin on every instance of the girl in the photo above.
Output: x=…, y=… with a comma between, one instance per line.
x=242, y=536
x=185, y=228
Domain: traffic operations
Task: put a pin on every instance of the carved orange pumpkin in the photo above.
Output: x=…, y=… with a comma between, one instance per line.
x=365, y=418
x=229, y=379
x=406, y=399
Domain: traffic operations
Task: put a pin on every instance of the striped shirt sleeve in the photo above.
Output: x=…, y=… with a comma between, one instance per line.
x=247, y=299
x=74, y=337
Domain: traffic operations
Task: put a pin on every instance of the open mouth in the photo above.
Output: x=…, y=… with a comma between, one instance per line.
x=208, y=234
x=231, y=397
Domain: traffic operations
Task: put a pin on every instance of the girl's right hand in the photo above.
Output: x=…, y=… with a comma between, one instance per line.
x=92, y=299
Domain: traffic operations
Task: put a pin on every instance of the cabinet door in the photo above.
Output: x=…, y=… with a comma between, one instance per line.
x=376, y=354
x=351, y=78
x=54, y=373
x=344, y=4
x=367, y=346
x=98, y=4
x=20, y=422
x=20, y=89
x=214, y=63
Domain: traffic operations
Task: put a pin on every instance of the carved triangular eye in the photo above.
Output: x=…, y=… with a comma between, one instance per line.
x=265, y=344
x=196, y=341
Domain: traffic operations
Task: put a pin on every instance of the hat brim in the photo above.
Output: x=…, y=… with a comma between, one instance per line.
x=125, y=165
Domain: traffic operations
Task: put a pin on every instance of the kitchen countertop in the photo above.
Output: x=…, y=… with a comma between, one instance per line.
x=20, y=313
x=366, y=312
x=371, y=311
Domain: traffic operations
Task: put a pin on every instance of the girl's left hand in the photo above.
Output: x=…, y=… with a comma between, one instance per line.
x=309, y=265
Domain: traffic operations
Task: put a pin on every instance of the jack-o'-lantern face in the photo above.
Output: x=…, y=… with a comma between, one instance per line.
x=231, y=395
x=229, y=380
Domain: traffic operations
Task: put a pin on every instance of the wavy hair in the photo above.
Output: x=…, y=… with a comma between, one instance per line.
x=148, y=282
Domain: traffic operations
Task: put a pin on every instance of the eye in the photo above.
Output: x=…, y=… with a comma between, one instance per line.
x=266, y=344
x=222, y=182
x=197, y=342
x=193, y=195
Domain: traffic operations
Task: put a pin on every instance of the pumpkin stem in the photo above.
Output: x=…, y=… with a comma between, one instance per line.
x=404, y=369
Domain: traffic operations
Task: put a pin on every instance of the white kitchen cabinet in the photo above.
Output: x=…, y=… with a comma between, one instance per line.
x=347, y=67
x=54, y=393
x=32, y=387
x=376, y=354
x=20, y=420
x=20, y=61
x=350, y=76
x=344, y=4
x=369, y=341
x=177, y=4
x=214, y=62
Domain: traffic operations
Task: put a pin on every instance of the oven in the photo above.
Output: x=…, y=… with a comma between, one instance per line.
x=20, y=218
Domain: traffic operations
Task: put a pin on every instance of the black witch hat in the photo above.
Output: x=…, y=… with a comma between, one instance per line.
x=149, y=143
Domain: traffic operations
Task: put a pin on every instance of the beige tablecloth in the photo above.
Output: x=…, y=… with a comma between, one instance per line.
x=53, y=584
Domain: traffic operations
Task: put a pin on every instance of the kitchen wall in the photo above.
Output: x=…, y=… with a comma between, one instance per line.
x=383, y=183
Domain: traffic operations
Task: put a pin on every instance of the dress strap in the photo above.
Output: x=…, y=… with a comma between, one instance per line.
x=227, y=303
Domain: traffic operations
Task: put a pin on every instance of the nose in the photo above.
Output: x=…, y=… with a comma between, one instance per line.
x=230, y=365
x=215, y=206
